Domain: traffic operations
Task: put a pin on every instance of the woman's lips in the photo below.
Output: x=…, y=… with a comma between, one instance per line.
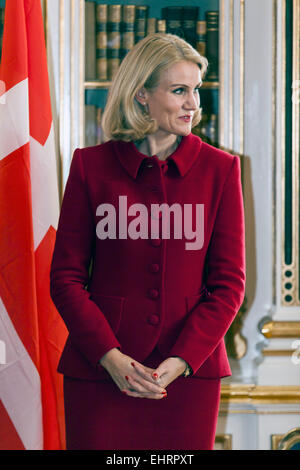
x=186, y=118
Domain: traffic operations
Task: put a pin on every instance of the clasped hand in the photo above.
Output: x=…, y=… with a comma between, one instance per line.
x=137, y=380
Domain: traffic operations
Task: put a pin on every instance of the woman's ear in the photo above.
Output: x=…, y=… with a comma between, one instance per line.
x=141, y=96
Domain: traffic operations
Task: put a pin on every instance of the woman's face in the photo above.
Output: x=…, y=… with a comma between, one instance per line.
x=176, y=96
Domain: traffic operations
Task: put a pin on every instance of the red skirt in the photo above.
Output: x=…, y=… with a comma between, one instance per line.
x=100, y=417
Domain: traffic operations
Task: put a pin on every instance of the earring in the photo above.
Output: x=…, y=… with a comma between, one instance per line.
x=146, y=110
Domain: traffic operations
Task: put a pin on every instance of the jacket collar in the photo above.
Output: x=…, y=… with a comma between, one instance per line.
x=183, y=157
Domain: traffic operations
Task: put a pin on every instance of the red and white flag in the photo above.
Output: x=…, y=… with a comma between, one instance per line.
x=32, y=334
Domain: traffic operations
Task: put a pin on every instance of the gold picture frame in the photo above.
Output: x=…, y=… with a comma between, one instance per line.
x=223, y=442
x=286, y=441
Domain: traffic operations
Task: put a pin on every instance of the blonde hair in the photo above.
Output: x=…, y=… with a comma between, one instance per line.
x=124, y=118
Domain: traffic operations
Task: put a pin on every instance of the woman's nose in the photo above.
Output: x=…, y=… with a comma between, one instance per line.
x=192, y=101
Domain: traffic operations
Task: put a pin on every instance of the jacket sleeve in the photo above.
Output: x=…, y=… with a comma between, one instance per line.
x=208, y=322
x=88, y=328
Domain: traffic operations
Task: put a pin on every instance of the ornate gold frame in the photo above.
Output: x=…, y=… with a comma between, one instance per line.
x=285, y=441
x=294, y=267
x=225, y=440
x=258, y=394
x=281, y=329
x=285, y=329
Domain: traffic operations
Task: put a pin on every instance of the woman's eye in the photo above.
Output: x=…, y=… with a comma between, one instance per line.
x=178, y=89
x=182, y=89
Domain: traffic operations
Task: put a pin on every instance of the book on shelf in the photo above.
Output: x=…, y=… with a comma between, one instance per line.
x=101, y=42
x=90, y=40
x=113, y=39
x=93, y=129
x=141, y=16
x=182, y=21
x=201, y=37
x=128, y=30
x=173, y=18
x=161, y=26
x=190, y=17
x=212, y=45
x=90, y=125
x=151, y=26
x=99, y=131
x=207, y=128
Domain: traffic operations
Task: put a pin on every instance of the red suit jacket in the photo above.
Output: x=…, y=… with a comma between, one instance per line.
x=146, y=293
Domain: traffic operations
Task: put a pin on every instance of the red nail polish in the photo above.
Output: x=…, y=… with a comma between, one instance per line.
x=132, y=364
x=126, y=377
x=155, y=375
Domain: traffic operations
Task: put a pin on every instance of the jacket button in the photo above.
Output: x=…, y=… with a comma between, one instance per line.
x=154, y=268
x=155, y=241
x=150, y=165
x=153, y=319
x=153, y=293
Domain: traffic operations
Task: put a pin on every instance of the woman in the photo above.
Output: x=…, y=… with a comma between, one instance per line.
x=147, y=298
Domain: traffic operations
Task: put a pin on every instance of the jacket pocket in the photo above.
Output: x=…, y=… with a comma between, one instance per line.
x=111, y=306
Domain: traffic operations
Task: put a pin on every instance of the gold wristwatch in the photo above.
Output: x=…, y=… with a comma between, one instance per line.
x=188, y=370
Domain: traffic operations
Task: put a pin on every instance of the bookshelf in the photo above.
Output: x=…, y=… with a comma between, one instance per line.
x=155, y=16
